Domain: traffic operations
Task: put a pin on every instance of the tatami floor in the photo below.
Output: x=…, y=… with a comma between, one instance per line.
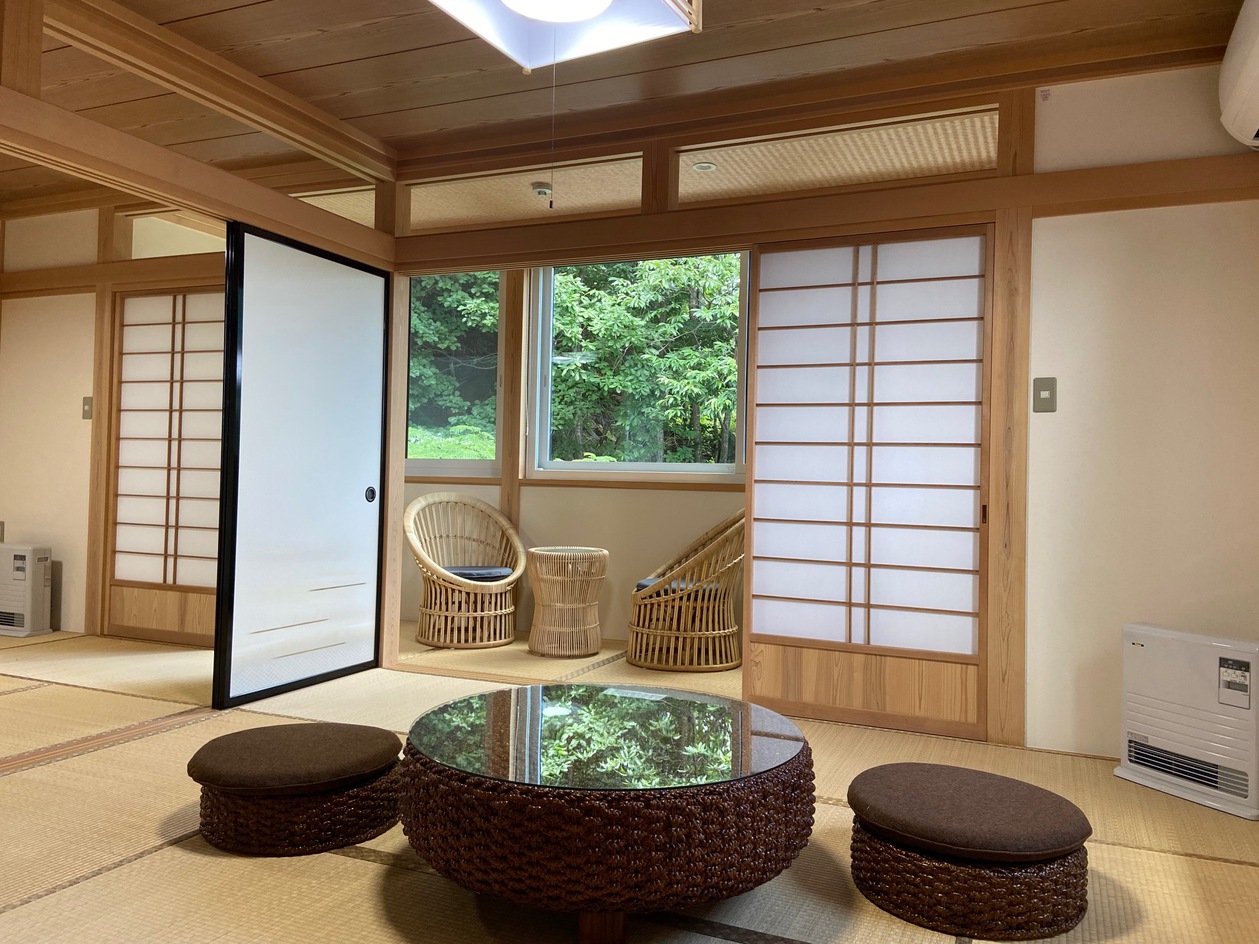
x=99, y=842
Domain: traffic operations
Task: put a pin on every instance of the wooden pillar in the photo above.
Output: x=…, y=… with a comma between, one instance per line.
x=21, y=45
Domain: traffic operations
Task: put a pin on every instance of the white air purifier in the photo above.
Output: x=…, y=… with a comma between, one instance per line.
x=1189, y=717
x=25, y=590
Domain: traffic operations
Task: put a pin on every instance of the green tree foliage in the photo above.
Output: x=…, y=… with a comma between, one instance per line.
x=644, y=364
x=454, y=363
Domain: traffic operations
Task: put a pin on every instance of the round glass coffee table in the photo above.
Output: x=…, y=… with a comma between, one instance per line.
x=604, y=800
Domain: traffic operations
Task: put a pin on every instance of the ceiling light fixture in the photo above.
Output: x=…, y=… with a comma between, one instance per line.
x=704, y=167
x=558, y=11
x=539, y=33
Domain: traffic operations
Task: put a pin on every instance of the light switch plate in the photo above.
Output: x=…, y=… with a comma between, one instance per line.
x=87, y=408
x=1045, y=395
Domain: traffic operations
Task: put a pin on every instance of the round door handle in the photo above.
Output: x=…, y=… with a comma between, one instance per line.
x=370, y=494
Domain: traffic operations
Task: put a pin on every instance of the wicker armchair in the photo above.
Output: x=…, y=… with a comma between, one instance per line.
x=682, y=617
x=470, y=558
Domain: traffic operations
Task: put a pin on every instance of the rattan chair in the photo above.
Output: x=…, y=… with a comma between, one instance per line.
x=470, y=558
x=682, y=617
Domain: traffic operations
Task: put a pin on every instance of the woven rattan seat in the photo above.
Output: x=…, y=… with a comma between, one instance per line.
x=294, y=789
x=449, y=531
x=682, y=616
x=969, y=853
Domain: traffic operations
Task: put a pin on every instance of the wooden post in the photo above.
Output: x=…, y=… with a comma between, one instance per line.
x=21, y=44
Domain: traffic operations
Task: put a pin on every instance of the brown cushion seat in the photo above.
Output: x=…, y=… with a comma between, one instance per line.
x=966, y=814
x=294, y=759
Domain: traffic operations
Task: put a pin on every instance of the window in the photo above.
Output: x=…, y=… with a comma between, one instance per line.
x=452, y=390
x=639, y=366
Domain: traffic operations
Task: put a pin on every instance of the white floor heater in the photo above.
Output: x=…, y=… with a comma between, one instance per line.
x=1189, y=717
x=25, y=590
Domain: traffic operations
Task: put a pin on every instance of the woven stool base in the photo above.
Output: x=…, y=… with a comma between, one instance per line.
x=462, y=628
x=607, y=850
x=299, y=825
x=993, y=901
x=679, y=651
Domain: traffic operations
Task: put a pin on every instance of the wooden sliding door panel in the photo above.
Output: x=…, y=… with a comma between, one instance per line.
x=867, y=479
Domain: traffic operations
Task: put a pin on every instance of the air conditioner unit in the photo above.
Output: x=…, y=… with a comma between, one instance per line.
x=1239, y=78
x=25, y=590
x=1189, y=717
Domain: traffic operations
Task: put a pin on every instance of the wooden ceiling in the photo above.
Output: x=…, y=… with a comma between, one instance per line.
x=405, y=73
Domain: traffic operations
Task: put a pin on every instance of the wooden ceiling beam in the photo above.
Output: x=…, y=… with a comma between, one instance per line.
x=21, y=42
x=35, y=131
x=113, y=33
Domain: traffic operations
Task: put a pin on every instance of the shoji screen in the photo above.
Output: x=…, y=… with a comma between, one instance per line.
x=166, y=481
x=866, y=459
x=169, y=418
x=303, y=460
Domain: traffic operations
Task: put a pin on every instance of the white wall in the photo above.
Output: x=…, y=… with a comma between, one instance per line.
x=1131, y=119
x=45, y=444
x=1144, y=486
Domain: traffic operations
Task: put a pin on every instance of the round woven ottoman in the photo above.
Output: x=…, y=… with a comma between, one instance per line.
x=294, y=789
x=969, y=853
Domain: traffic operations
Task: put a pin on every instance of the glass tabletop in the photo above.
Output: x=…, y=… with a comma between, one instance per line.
x=605, y=737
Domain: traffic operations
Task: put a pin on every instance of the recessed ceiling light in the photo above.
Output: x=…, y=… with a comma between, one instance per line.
x=704, y=167
x=558, y=11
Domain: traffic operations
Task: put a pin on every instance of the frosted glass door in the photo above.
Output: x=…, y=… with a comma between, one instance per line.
x=301, y=513
x=866, y=459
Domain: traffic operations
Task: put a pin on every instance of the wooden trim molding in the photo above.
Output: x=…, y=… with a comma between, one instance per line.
x=35, y=131
x=394, y=557
x=1006, y=549
x=200, y=269
x=21, y=45
x=113, y=33
x=513, y=317
x=1187, y=181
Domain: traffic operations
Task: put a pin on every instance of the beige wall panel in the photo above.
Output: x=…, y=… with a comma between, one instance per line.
x=152, y=237
x=46, y=347
x=1143, y=497
x=1131, y=119
x=641, y=528
x=165, y=610
x=910, y=692
x=43, y=242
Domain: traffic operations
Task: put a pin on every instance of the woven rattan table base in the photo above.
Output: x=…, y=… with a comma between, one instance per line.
x=607, y=850
x=991, y=901
x=299, y=825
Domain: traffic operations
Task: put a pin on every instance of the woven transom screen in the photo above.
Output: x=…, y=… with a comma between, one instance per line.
x=607, y=186
x=926, y=146
x=356, y=205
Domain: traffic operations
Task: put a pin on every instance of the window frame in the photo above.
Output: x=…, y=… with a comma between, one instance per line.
x=538, y=424
x=489, y=469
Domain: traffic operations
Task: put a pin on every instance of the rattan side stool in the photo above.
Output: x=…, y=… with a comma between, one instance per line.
x=295, y=789
x=566, y=582
x=969, y=853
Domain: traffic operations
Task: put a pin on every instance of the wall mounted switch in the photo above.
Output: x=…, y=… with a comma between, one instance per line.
x=1045, y=395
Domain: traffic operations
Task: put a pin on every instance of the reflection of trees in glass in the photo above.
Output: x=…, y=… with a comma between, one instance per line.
x=607, y=739
x=454, y=362
x=459, y=727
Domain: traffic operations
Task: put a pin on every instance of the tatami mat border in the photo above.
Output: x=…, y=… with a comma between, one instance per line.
x=87, y=876
x=96, y=742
